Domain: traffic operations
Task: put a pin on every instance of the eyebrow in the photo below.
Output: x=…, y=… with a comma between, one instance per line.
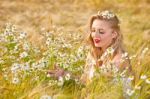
x=98, y=29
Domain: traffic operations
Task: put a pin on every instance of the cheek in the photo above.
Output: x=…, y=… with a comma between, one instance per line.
x=106, y=38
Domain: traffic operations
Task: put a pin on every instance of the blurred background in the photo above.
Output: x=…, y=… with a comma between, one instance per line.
x=36, y=16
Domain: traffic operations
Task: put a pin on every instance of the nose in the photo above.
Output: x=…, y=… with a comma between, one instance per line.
x=96, y=34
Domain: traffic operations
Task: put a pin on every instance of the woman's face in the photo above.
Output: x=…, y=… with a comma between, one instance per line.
x=102, y=33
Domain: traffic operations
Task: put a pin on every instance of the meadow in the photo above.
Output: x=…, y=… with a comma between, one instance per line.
x=35, y=35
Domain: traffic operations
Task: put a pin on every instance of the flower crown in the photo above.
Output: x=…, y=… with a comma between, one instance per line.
x=106, y=14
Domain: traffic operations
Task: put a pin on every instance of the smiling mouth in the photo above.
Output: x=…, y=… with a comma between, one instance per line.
x=96, y=40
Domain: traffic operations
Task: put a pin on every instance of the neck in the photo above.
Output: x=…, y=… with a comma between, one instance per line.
x=105, y=48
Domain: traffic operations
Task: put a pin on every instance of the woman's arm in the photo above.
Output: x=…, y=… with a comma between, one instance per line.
x=57, y=72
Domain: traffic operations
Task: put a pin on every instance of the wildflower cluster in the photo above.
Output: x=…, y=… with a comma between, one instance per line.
x=20, y=58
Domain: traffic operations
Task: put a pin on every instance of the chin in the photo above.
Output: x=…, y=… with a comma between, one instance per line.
x=97, y=45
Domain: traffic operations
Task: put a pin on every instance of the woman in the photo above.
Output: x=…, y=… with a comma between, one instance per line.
x=106, y=54
x=105, y=39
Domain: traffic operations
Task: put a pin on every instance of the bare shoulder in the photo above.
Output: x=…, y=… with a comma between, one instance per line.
x=122, y=61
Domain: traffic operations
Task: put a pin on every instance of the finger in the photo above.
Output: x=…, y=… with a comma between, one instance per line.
x=56, y=66
x=51, y=75
x=51, y=72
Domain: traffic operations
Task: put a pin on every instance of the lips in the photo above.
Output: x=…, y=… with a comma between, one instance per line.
x=96, y=40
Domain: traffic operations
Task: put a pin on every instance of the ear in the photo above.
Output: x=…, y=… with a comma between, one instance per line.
x=114, y=34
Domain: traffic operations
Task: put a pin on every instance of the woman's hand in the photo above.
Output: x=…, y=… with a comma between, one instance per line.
x=57, y=72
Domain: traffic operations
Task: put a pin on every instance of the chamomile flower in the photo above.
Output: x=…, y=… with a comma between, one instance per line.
x=110, y=50
x=48, y=41
x=26, y=46
x=137, y=87
x=23, y=54
x=15, y=67
x=26, y=67
x=15, y=80
x=130, y=92
x=67, y=76
x=145, y=50
x=106, y=14
x=131, y=78
x=123, y=74
x=131, y=57
x=45, y=97
x=143, y=77
x=147, y=81
x=124, y=55
x=22, y=35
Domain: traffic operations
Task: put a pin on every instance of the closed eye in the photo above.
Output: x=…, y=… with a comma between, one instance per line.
x=101, y=32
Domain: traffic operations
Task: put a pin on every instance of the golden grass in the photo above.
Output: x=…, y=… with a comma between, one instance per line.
x=71, y=16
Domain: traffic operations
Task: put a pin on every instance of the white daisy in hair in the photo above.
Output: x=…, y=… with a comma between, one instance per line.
x=106, y=14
